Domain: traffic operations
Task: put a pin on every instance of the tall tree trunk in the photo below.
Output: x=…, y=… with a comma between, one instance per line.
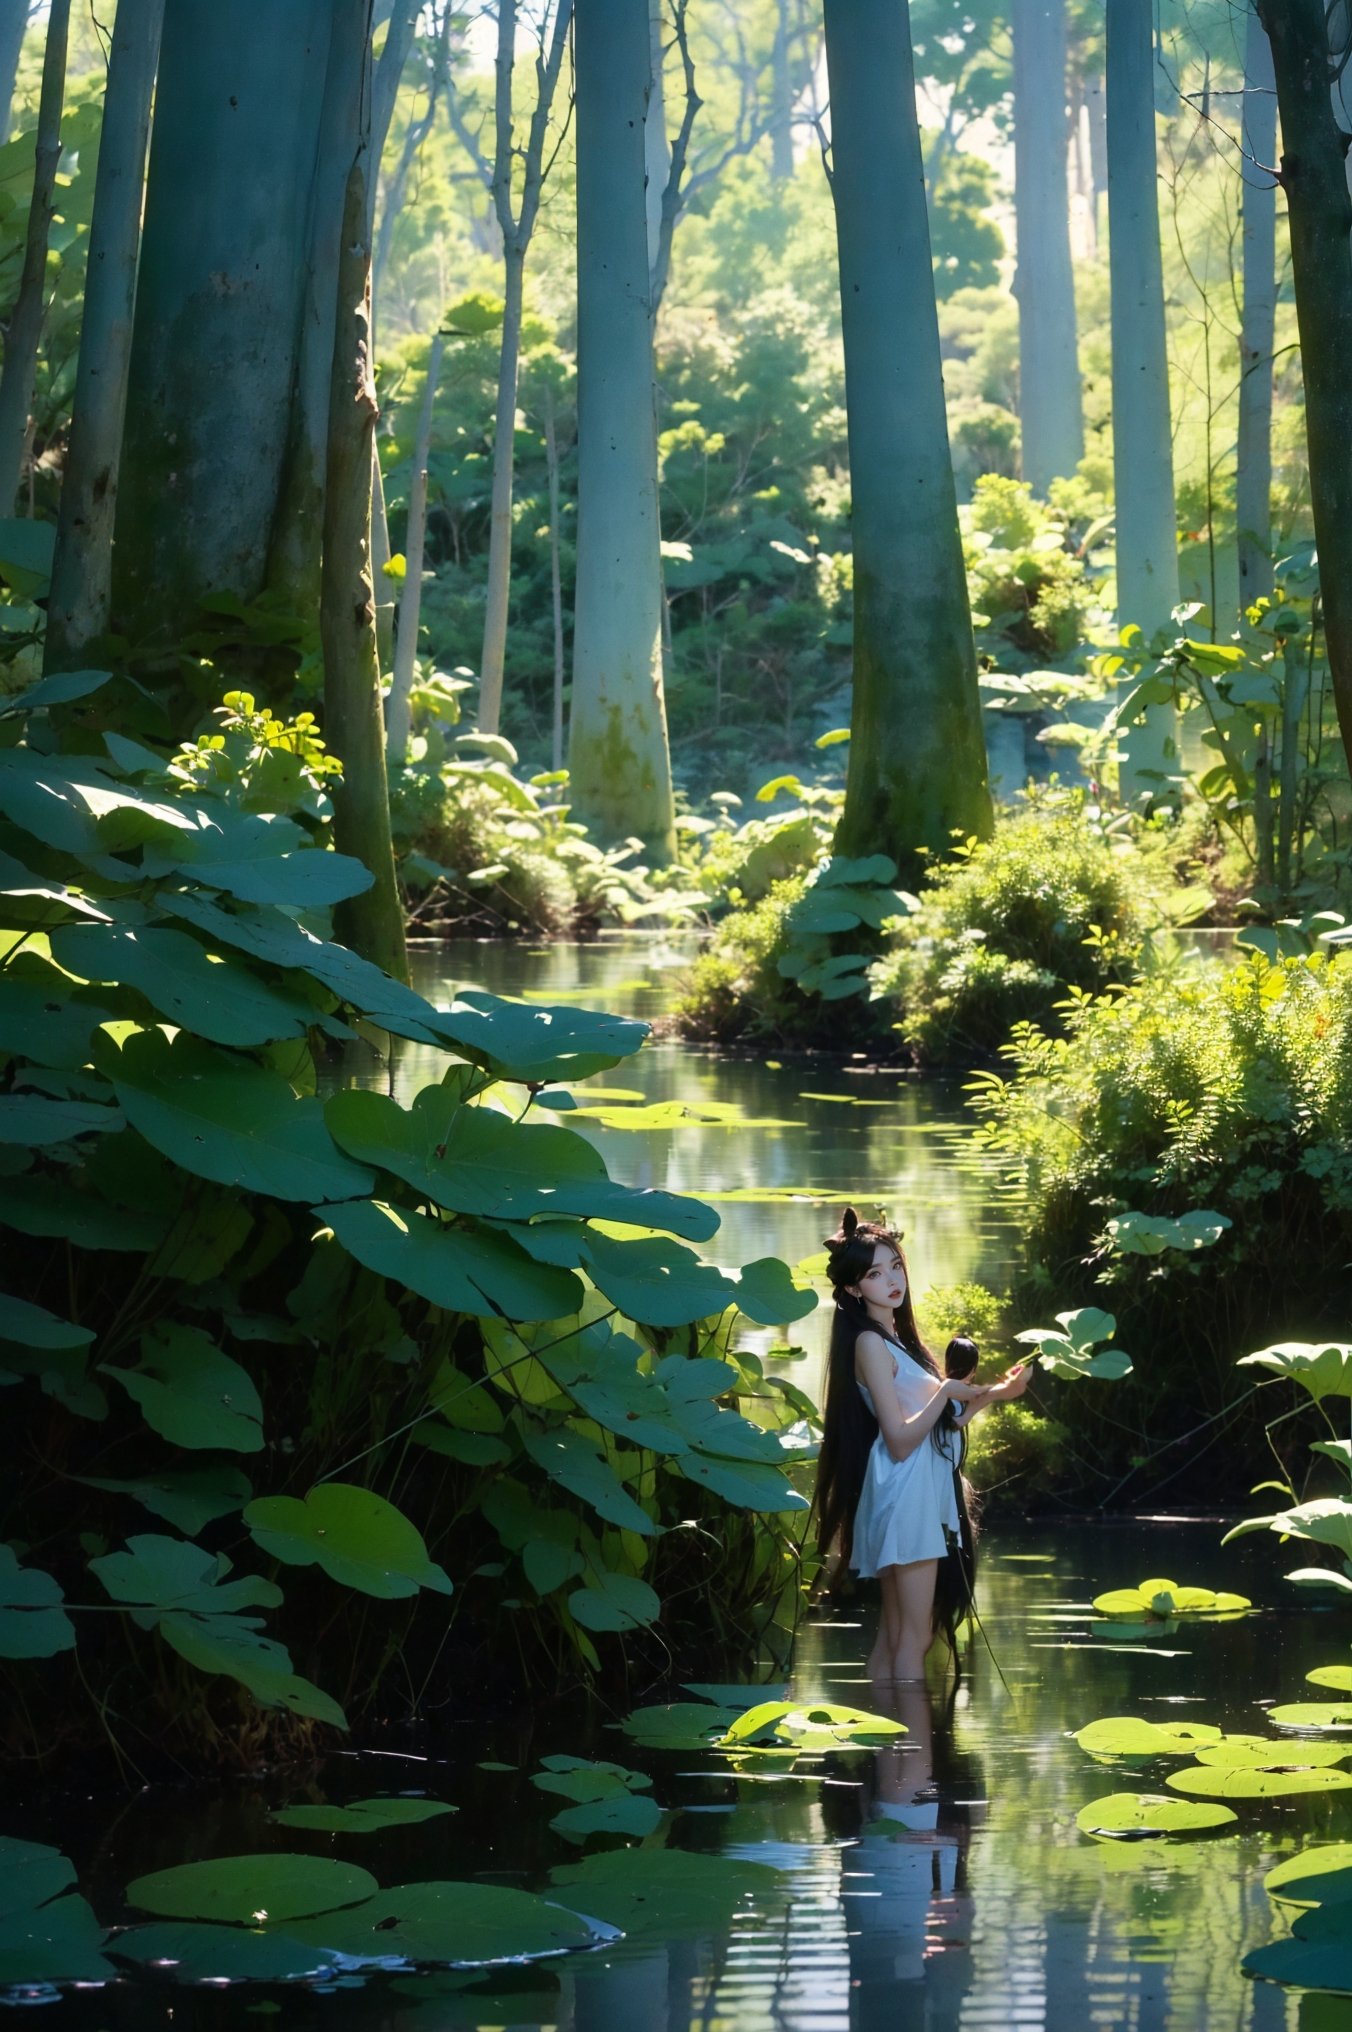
x=917, y=765
x=13, y=28
x=385, y=87
x=372, y=923
x=1096, y=119
x=1143, y=462
x=781, y=91
x=497, y=595
x=618, y=754
x=656, y=147
x=380, y=558
x=555, y=571
x=1049, y=372
x=25, y=323
x=1320, y=213
x=219, y=306
x=1253, y=481
x=82, y=571
x=410, y=602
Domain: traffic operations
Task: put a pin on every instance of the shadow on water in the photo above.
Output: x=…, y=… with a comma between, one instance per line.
x=938, y=1884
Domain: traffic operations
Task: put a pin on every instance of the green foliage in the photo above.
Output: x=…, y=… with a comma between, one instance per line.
x=1008, y=927
x=1071, y=1349
x=408, y=1303
x=1141, y=1816
x=1013, y=1452
x=1031, y=596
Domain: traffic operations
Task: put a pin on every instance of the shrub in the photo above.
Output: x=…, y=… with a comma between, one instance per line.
x=1013, y=1452
x=1030, y=594
x=1007, y=927
x=736, y=990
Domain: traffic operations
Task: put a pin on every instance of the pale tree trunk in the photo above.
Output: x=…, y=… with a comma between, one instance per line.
x=656, y=147
x=372, y=924
x=220, y=299
x=380, y=557
x=25, y=322
x=781, y=88
x=415, y=134
x=555, y=571
x=518, y=224
x=1096, y=120
x=1143, y=462
x=1253, y=482
x=13, y=27
x=1320, y=214
x=410, y=602
x=618, y=754
x=1049, y=372
x=385, y=88
x=917, y=768
x=82, y=570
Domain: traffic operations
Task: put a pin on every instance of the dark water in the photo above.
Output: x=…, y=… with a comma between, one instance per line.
x=939, y=1884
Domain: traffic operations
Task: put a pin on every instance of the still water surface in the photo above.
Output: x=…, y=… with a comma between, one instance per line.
x=941, y=1884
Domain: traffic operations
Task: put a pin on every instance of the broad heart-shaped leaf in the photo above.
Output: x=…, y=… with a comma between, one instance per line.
x=308, y=880
x=1127, y=1736
x=1315, y=1877
x=52, y=1207
x=578, y=1778
x=359, y=1539
x=1166, y=1599
x=675, y=1893
x=1312, y=1714
x=1151, y=1234
x=1339, y=1677
x=460, y=1270
x=785, y=1721
x=32, y=1326
x=576, y=1465
x=1140, y=1816
x=657, y=1281
x=33, y=1623
x=534, y=1040
x=619, y=1813
x=194, y=1951
x=59, y=689
x=30, y=1874
x=1324, y=1368
x=1315, y=1965
x=765, y=1291
x=191, y=1393
x=252, y=1889
x=217, y=999
x=36, y=1121
x=599, y=1369
x=46, y=1016
x=1061, y=1357
x=223, y=1644
x=187, y=1498
x=56, y=1943
x=1201, y=1781
x=747, y=1485
x=463, y=1402
x=460, y=1925
x=363, y=1816
x=227, y=1119
x=156, y=1573
x=680, y=1725
x=1085, y=1328
x=615, y=1601
x=1327, y=1521
x=1271, y=1753
x=475, y=1161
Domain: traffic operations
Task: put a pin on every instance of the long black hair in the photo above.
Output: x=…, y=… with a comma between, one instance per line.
x=848, y=1426
x=955, y=1582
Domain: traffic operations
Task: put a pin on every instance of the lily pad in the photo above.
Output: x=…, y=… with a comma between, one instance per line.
x=193, y=1951
x=462, y=1925
x=357, y=1537
x=363, y=1816
x=1339, y=1677
x=252, y=1890
x=670, y=1892
x=680, y=1725
x=31, y=1873
x=1200, y=1781
x=1312, y=1714
x=57, y=1943
x=1128, y=1736
x=1317, y=1957
x=1140, y=1816
x=1316, y=1876
x=1165, y=1598
x=1267, y=1753
x=627, y=1813
x=796, y=1723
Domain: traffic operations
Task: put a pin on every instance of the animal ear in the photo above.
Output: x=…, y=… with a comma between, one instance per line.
x=849, y=1221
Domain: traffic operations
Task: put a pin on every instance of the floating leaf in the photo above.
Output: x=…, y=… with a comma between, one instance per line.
x=1140, y=1815
x=358, y=1538
x=30, y=1873
x=620, y=1813
x=815, y=1724
x=668, y=1892
x=680, y=1725
x=1201, y=1782
x=194, y=1951
x=1165, y=1599
x=1317, y=1957
x=580, y=1778
x=1271, y=1753
x=1128, y=1736
x=363, y=1816
x=1308, y=1714
x=463, y=1925
x=191, y=1393
x=252, y=1889
x=33, y=1623
x=56, y=1943
x=1339, y=1677
x=1316, y=1876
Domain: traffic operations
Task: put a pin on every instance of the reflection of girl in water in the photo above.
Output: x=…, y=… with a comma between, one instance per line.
x=885, y=1483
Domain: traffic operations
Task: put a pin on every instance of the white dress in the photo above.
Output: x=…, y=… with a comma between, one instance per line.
x=907, y=1508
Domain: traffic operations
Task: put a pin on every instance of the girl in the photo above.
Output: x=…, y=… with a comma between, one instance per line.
x=885, y=1482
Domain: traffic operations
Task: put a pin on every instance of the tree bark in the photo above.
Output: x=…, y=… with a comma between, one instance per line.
x=372, y=924
x=82, y=571
x=555, y=572
x=656, y=147
x=13, y=28
x=781, y=88
x=917, y=768
x=1049, y=371
x=25, y=322
x=219, y=306
x=497, y=595
x=1253, y=480
x=410, y=603
x=618, y=753
x=1143, y=463
x=1320, y=214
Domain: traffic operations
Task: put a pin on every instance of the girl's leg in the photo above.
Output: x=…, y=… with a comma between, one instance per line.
x=915, y=1612
x=880, y=1658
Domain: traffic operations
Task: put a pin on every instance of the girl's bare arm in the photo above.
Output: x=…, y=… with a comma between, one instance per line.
x=902, y=1435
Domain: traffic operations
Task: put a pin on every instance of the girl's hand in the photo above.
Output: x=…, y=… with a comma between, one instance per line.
x=966, y=1393
x=1013, y=1385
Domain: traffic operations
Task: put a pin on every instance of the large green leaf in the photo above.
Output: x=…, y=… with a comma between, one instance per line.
x=363, y=1816
x=1315, y=1877
x=1165, y=1598
x=1312, y=1714
x=46, y=1016
x=747, y=1485
x=1151, y=1234
x=36, y=1121
x=1138, y=1816
x=476, y=1161
x=32, y=1326
x=56, y=1943
x=229, y=1120
x=535, y=1040
x=457, y=1924
x=30, y=1874
x=1317, y=1957
x=1326, y=1521
x=1203, y=1782
x=680, y=1725
x=671, y=1893
x=1271, y=1753
x=615, y=1601
x=52, y=1208
x=226, y=1646
x=216, y=998
x=1324, y=1368
x=191, y=1393
x=657, y=1281
x=457, y=1269
x=309, y=880
x=766, y=1292
x=64, y=686
x=579, y=1778
x=576, y=1465
x=193, y=1951
x=358, y=1539
x=245, y=1889
x=155, y=1573
x=33, y=1623
x=808, y=1724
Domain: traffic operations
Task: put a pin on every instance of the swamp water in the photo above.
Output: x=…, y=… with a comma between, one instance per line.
x=938, y=1882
